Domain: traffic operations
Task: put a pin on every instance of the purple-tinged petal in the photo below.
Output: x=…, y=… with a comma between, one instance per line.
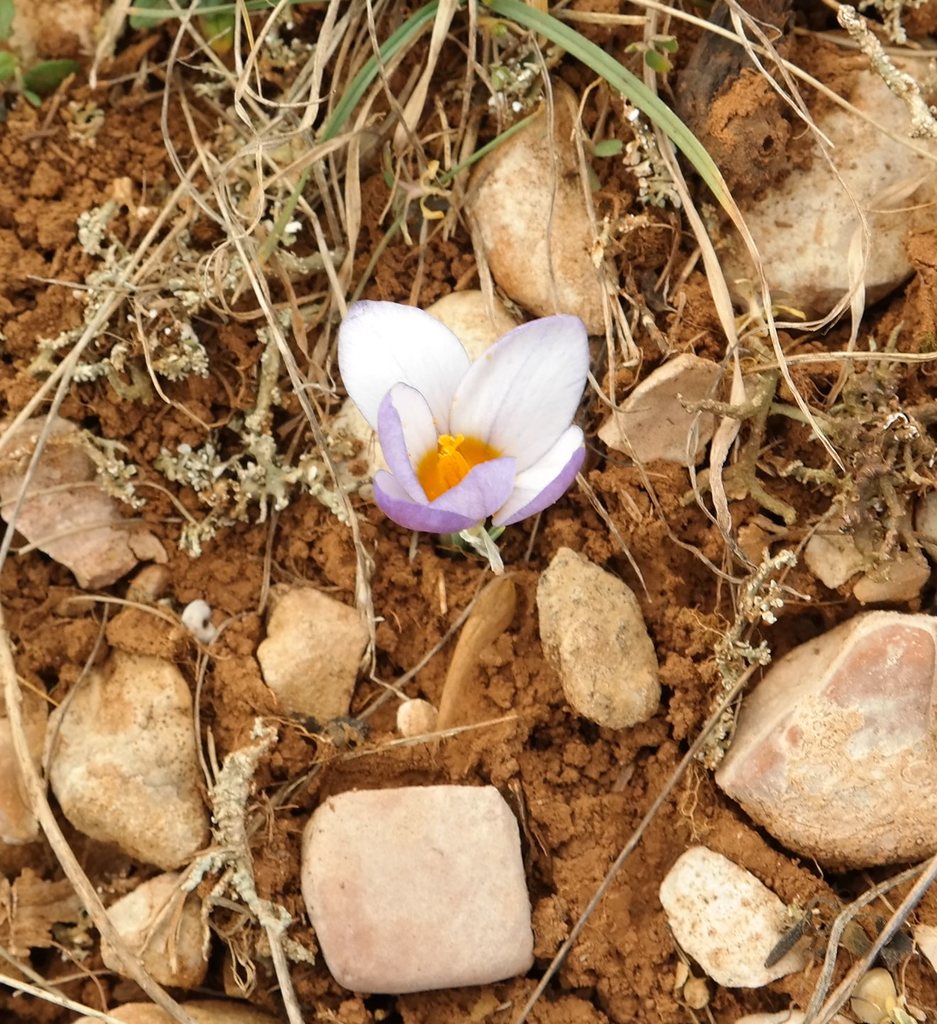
x=406, y=431
x=471, y=501
x=538, y=486
x=483, y=490
x=381, y=344
x=522, y=393
x=397, y=505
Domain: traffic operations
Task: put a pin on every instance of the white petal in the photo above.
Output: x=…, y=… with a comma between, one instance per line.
x=406, y=432
x=545, y=482
x=522, y=393
x=381, y=344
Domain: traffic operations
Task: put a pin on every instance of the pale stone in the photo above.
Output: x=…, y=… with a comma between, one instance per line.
x=55, y=29
x=416, y=717
x=417, y=888
x=726, y=919
x=470, y=317
x=834, y=750
x=925, y=523
x=18, y=824
x=355, y=448
x=202, y=1011
x=311, y=654
x=652, y=422
x=526, y=204
x=833, y=557
x=805, y=225
x=163, y=927
x=925, y=937
x=65, y=514
x=123, y=761
x=899, y=579
x=594, y=636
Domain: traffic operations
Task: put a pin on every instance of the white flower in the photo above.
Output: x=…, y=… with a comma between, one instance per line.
x=465, y=441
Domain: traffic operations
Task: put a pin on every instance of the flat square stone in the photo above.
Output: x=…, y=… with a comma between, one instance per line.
x=417, y=888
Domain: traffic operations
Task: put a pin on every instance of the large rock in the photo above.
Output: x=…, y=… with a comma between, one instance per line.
x=652, y=422
x=835, y=752
x=123, y=762
x=805, y=225
x=417, y=888
x=65, y=513
x=526, y=203
x=163, y=926
x=726, y=919
x=311, y=654
x=593, y=634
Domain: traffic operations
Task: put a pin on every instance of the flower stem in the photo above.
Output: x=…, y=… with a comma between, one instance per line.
x=479, y=540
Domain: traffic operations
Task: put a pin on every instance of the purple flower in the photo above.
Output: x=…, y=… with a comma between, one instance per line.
x=463, y=440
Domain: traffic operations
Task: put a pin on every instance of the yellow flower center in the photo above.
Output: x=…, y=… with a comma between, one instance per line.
x=442, y=468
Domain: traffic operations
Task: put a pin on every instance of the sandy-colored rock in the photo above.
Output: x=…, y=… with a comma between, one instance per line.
x=652, y=422
x=417, y=888
x=123, y=763
x=18, y=824
x=807, y=262
x=785, y=1017
x=726, y=919
x=834, y=751
x=416, y=717
x=311, y=654
x=925, y=523
x=594, y=636
x=55, y=29
x=202, y=1011
x=900, y=579
x=526, y=204
x=470, y=317
x=163, y=927
x=833, y=556
x=76, y=524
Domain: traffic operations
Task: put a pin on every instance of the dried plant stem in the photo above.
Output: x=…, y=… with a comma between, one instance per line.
x=39, y=804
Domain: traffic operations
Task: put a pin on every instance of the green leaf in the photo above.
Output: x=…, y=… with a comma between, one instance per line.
x=7, y=65
x=7, y=10
x=35, y=100
x=218, y=29
x=668, y=44
x=657, y=62
x=608, y=147
x=48, y=75
x=161, y=11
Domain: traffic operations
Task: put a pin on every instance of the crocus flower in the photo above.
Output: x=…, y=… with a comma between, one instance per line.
x=463, y=440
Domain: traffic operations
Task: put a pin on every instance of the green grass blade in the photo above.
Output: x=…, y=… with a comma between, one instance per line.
x=623, y=81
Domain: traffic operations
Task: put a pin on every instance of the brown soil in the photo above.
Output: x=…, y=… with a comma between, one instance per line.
x=579, y=790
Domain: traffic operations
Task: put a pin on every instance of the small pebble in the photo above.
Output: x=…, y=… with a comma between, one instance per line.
x=417, y=888
x=311, y=653
x=202, y=1011
x=163, y=927
x=196, y=617
x=725, y=919
x=470, y=318
x=593, y=634
x=416, y=717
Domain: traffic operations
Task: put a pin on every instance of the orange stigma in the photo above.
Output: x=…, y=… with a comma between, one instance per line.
x=442, y=468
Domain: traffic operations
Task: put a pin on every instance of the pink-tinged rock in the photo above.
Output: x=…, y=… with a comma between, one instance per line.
x=417, y=888
x=835, y=752
x=726, y=919
x=66, y=513
x=202, y=1011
